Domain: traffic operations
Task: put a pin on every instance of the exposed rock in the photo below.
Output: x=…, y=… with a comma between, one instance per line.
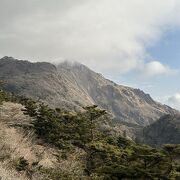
x=73, y=85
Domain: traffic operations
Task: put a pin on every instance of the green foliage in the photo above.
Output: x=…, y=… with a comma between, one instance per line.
x=133, y=162
x=172, y=150
x=55, y=174
x=107, y=157
x=62, y=128
x=123, y=142
x=2, y=93
x=5, y=96
x=30, y=107
x=1, y=84
x=173, y=154
x=22, y=164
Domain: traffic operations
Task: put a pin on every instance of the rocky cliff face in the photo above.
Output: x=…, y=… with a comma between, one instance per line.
x=164, y=131
x=72, y=85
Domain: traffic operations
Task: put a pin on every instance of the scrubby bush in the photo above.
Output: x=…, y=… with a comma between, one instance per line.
x=22, y=164
x=107, y=157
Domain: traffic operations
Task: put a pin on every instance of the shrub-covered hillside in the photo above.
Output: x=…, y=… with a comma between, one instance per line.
x=58, y=144
x=165, y=130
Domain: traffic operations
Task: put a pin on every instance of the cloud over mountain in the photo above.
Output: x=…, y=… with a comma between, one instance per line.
x=106, y=34
x=174, y=101
x=154, y=68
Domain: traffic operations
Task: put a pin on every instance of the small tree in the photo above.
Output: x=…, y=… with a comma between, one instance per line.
x=22, y=164
x=5, y=96
x=30, y=107
x=173, y=153
x=92, y=114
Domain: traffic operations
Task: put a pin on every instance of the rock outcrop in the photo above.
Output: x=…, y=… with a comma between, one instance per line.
x=73, y=85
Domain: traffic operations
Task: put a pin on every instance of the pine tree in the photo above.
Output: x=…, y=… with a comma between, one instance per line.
x=30, y=107
x=92, y=114
x=173, y=153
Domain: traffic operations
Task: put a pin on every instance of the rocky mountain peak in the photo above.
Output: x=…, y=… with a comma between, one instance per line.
x=73, y=85
x=11, y=66
x=74, y=67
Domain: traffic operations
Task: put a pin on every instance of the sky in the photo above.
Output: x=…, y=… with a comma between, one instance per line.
x=133, y=42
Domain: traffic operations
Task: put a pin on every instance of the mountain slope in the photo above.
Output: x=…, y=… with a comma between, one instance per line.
x=17, y=141
x=164, y=131
x=51, y=144
x=72, y=85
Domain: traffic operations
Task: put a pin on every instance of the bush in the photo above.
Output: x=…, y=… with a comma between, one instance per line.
x=22, y=164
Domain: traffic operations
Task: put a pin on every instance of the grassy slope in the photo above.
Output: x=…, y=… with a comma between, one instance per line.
x=15, y=142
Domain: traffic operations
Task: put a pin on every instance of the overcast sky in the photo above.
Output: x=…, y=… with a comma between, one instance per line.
x=133, y=42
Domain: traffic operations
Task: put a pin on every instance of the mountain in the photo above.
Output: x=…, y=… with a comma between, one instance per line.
x=73, y=85
x=39, y=143
x=164, y=131
x=23, y=156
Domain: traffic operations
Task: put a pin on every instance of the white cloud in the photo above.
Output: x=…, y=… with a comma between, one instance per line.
x=155, y=68
x=174, y=101
x=107, y=35
x=171, y=100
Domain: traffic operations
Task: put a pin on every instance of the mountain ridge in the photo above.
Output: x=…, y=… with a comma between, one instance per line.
x=163, y=131
x=73, y=85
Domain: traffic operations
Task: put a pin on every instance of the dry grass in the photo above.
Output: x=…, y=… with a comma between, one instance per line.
x=74, y=164
x=9, y=173
x=15, y=142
